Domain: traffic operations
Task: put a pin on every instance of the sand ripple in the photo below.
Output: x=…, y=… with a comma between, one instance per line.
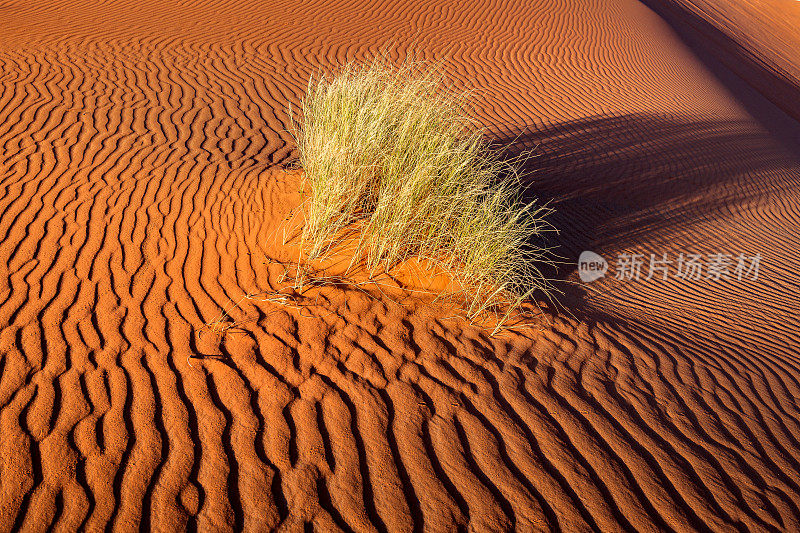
x=141, y=175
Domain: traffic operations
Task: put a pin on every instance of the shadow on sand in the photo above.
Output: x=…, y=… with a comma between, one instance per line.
x=616, y=182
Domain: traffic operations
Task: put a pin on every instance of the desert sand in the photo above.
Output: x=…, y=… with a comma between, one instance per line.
x=144, y=167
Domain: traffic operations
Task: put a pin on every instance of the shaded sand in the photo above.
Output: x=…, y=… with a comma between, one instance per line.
x=757, y=39
x=141, y=177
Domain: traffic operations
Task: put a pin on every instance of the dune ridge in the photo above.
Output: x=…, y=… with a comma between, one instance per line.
x=141, y=177
x=754, y=38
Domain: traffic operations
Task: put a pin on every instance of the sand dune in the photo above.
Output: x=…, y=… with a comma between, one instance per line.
x=142, y=174
x=757, y=39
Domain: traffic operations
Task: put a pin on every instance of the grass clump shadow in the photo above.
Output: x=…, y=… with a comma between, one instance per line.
x=391, y=154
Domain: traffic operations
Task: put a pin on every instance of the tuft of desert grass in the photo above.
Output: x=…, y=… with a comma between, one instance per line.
x=391, y=151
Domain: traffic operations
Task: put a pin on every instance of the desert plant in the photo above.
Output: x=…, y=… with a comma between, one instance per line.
x=392, y=152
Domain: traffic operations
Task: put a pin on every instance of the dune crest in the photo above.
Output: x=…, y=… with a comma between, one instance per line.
x=757, y=39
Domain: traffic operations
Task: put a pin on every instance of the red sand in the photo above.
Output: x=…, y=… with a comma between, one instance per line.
x=141, y=175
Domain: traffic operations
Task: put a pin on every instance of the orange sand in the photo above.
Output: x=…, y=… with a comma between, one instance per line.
x=141, y=173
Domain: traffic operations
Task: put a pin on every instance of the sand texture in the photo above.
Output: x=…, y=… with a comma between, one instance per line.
x=143, y=154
